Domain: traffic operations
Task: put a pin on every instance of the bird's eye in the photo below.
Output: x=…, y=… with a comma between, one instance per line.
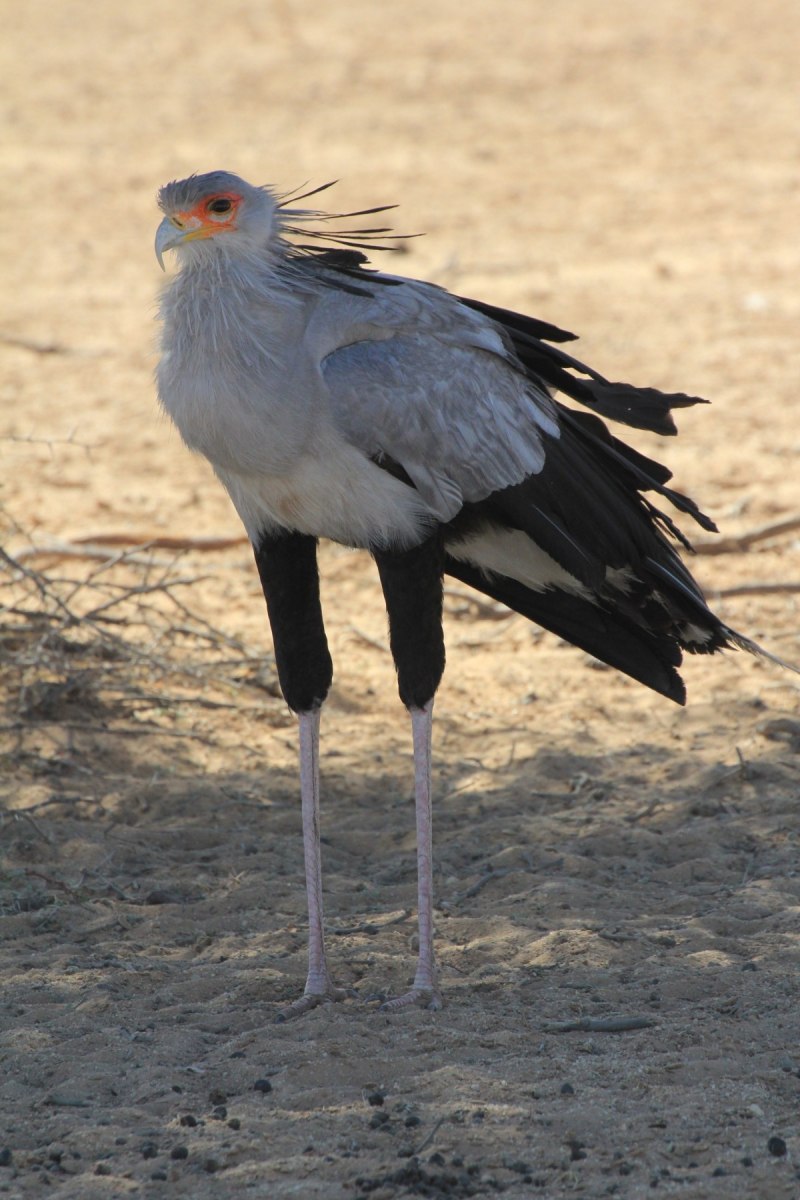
x=220, y=205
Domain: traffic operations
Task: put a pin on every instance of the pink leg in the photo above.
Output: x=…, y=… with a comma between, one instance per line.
x=319, y=987
x=424, y=991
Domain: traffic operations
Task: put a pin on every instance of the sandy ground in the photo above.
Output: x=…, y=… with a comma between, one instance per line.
x=628, y=171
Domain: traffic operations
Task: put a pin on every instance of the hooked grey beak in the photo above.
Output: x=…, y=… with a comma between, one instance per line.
x=167, y=237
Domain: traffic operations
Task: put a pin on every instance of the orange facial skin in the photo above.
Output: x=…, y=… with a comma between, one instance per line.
x=206, y=220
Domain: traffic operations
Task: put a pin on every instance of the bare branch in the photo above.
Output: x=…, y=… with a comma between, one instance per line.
x=742, y=541
x=599, y=1025
x=757, y=589
x=93, y=545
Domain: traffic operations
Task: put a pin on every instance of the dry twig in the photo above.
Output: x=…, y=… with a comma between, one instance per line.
x=66, y=635
x=598, y=1025
x=96, y=545
x=758, y=589
x=739, y=542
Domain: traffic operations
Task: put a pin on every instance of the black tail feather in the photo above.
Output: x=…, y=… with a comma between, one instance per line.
x=607, y=634
x=644, y=473
x=641, y=408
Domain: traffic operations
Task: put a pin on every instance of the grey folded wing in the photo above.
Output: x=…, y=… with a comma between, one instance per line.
x=460, y=418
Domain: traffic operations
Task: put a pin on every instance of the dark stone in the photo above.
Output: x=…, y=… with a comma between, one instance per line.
x=162, y=896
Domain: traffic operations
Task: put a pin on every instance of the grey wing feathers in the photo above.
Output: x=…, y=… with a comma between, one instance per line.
x=439, y=394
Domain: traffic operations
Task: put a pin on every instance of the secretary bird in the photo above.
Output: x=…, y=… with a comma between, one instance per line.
x=336, y=401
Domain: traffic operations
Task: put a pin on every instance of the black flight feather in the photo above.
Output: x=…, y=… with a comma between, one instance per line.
x=607, y=634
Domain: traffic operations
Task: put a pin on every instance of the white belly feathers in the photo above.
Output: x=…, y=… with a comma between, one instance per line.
x=335, y=493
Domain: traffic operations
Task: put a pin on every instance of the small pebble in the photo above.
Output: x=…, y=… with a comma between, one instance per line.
x=102, y=1169
x=220, y=1112
x=160, y=1175
x=188, y=1119
x=5, y=1157
x=718, y=1172
x=262, y=1085
x=777, y=1146
x=211, y=1165
x=437, y=1159
x=749, y=966
x=149, y=1150
x=378, y=1120
x=234, y=1123
x=217, y=1096
x=747, y=1161
x=567, y=1089
x=375, y=1099
x=179, y=1152
x=411, y=1121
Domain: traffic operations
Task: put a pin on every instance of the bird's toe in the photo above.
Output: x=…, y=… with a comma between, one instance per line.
x=311, y=1000
x=429, y=998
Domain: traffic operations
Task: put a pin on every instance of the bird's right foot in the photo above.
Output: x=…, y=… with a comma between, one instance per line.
x=309, y=1000
x=419, y=997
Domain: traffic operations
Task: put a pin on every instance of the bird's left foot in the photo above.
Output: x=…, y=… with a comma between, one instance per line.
x=309, y=1000
x=418, y=997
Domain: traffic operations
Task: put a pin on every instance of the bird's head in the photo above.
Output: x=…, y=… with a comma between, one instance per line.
x=218, y=207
